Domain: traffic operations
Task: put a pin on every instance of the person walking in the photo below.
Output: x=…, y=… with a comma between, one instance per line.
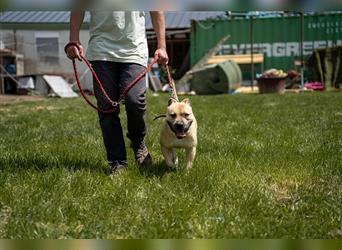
x=118, y=52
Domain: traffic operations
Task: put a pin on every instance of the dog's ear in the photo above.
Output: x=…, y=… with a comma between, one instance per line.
x=171, y=100
x=186, y=101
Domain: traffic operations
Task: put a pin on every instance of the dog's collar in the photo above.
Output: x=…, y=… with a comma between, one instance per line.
x=189, y=126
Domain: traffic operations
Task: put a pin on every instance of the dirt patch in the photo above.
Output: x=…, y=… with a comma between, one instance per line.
x=5, y=110
x=285, y=192
x=19, y=98
x=49, y=108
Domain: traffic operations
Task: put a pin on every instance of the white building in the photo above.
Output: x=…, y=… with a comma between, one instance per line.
x=40, y=36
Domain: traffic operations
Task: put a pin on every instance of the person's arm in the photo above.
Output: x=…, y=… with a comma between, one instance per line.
x=158, y=22
x=76, y=20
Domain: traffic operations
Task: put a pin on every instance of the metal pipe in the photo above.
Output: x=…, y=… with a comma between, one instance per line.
x=302, y=49
x=252, y=51
x=15, y=40
x=2, y=81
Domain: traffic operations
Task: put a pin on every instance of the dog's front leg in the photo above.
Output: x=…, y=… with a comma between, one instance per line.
x=190, y=156
x=168, y=156
x=175, y=157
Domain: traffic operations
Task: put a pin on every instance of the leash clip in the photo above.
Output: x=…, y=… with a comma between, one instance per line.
x=115, y=104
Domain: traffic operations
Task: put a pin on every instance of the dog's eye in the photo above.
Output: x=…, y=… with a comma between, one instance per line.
x=186, y=115
x=173, y=115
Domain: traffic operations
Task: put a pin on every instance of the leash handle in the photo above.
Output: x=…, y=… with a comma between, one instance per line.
x=78, y=46
x=97, y=79
x=138, y=78
x=114, y=104
x=108, y=111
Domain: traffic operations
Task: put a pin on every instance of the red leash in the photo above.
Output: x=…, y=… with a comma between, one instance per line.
x=114, y=104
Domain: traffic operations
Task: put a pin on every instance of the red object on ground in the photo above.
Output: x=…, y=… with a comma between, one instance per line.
x=292, y=74
x=317, y=86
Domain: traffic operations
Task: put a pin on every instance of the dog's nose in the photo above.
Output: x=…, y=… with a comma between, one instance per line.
x=179, y=125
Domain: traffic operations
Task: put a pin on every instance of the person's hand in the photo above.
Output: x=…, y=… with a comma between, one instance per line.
x=75, y=53
x=161, y=56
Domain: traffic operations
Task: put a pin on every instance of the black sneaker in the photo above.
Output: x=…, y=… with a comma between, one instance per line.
x=142, y=156
x=117, y=168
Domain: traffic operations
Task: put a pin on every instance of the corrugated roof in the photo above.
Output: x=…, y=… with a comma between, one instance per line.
x=174, y=19
x=34, y=17
x=181, y=19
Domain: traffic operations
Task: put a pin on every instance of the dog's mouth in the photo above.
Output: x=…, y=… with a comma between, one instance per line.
x=180, y=133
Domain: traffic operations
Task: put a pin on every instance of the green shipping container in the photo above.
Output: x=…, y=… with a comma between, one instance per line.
x=277, y=38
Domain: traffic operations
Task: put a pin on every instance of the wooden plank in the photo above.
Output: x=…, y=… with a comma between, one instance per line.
x=239, y=59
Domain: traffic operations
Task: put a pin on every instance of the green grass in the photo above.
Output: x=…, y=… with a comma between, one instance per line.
x=268, y=166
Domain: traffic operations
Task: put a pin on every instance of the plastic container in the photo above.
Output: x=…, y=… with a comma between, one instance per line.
x=216, y=78
x=271, y=85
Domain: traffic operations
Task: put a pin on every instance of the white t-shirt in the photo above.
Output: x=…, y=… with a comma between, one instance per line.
x=118, y=36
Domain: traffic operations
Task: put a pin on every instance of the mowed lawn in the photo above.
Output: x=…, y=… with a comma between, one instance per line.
x=268, y=166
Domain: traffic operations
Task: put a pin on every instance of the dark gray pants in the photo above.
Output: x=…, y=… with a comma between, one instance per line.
x=115, y=77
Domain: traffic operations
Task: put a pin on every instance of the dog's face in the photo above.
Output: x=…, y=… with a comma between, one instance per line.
x=179, y=117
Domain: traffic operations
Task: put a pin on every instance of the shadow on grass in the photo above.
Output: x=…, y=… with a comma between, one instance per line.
x=157, y=169
x=74, y=164
x=32, y=162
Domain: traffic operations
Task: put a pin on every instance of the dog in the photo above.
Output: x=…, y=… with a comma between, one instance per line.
x=179, y=130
